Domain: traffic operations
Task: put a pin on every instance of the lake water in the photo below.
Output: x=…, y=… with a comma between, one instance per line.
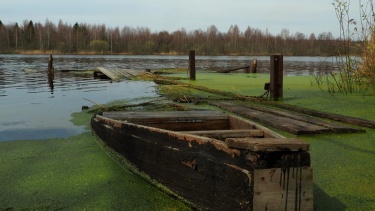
x=31, y=107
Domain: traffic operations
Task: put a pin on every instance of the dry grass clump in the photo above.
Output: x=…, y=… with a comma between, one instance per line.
x=367, y=67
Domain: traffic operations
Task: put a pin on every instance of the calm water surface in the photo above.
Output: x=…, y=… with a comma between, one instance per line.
x=32, y=107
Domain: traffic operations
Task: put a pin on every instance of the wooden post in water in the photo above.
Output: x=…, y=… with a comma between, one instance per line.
x=51, y=73
x=50, y=65
x=192, y=64
x=277, y=73
x=254, y=66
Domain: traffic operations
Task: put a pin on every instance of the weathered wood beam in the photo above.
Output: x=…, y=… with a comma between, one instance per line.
x=223, y=134
x=268, y=144
x=234, y=69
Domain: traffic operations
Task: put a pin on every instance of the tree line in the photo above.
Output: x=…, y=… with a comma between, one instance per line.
x=84, y=38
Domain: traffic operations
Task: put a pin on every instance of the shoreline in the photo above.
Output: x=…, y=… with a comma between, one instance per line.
x=53, y=52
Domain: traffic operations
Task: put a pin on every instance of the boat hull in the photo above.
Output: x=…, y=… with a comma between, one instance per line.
x=204, y=171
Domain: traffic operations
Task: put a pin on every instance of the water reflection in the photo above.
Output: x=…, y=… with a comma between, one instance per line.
x=51, y=77
x=37, y=105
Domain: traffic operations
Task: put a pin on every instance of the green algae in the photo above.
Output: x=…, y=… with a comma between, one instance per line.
x=298, y=90
x=74, y=174
x=343, y=171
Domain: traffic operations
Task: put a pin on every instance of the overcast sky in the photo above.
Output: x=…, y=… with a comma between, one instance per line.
x=305, y=16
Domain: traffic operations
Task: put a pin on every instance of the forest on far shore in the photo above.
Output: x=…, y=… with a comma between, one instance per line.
x=82, y=38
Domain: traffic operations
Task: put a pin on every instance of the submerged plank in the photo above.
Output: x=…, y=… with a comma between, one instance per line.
x=116, y=74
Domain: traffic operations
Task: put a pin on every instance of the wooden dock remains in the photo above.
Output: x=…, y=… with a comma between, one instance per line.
x=291, y=122
x=115, y=74
x=245, y=68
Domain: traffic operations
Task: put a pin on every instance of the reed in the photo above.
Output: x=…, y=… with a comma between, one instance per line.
x=356, y=73
x=367, y=68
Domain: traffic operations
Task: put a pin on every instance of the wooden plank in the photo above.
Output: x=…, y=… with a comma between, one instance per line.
x=116, y=74
x=109, y=73
x=275, y=121
x=234, y=69
x=268, y=144
x=223, y=134
x=336, y=128
x=209, y=114
x=186, y=126
x=335, y=117
x=126, y=73
x=119, y=73
x=175, y=120
x=291, y=189
x=295, y=123
x=236, y=122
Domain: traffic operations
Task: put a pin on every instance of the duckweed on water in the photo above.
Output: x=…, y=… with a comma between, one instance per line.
x=75, y=174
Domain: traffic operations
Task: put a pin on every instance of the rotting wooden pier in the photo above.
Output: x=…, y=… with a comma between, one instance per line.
x=115, y=74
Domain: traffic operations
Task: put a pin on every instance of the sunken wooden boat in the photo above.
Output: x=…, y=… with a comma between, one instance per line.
x=214, y=160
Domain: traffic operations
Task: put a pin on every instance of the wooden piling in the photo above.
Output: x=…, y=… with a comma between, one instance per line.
x=50, y=65
x=51, y=73
x=254, y=66
x=51, y=78
x=192, y=64
x=276, y=71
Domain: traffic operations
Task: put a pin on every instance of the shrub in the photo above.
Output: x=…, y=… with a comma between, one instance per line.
x=99, y=46
x=355, y=72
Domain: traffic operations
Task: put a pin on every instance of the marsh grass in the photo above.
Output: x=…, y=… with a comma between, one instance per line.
x=367, y=67
x=356, y=67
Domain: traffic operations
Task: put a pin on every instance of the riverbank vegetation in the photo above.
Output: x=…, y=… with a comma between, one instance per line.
x=82, y=38
x=355, y=73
